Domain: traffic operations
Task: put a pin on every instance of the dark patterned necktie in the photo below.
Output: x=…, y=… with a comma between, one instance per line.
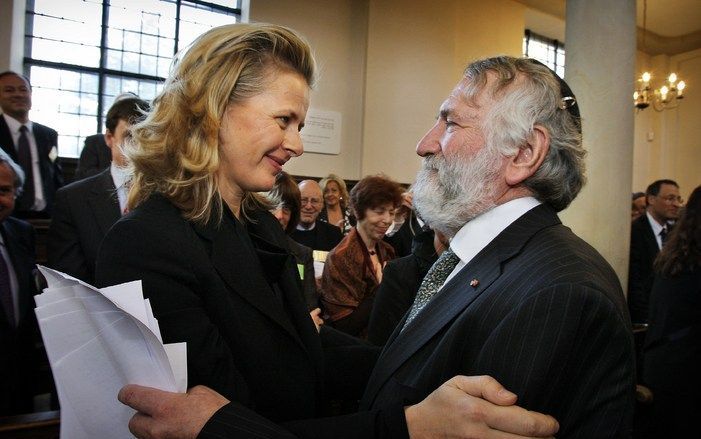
x=24, y=157
x=663, y=235
x=435, y=278
x=6, y=291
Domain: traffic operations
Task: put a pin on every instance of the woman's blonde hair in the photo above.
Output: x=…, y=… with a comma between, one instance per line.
x=341, y=187
x=175, y=151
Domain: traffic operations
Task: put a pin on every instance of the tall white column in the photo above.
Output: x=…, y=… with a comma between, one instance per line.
x=600, y=69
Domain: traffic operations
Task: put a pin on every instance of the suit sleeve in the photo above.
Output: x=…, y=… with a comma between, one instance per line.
x=63, y=246
x=88, y=162
x=236, y=422
x=165, y=261
x=56, y=165
x=637, y=299
x=562, y=341
x=393, y=298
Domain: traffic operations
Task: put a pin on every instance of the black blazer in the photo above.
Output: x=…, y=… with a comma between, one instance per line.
x=232, y=293
x=323, y=236
x=84, y=212
x=673, y=340
x=18, y=359
x=303, y=256
x=643, y=251
x=539, y=310
x=51, y=174
x=95, y=157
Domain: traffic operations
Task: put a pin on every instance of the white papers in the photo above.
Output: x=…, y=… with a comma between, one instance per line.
x=98, y=341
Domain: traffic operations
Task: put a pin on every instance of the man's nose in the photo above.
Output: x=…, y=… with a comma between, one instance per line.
x=429, y=143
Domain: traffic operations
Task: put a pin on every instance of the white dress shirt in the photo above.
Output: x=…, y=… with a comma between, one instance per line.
x=478, y=233
x=14, y=126
x=656, y=229
x=120, y=178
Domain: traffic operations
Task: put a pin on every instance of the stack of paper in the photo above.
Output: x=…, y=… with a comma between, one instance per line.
x=97, y=341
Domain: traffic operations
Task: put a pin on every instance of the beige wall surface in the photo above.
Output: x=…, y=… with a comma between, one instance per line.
x=337, y=31
x=668, y=143
x=415, y=56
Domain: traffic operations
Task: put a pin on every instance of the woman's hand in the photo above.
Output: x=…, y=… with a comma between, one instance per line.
x=316, y=318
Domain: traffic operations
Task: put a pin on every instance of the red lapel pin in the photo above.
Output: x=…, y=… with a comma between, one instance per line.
x=474, y=283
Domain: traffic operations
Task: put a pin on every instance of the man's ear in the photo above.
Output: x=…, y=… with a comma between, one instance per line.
x=109, y=138
x=529, y=156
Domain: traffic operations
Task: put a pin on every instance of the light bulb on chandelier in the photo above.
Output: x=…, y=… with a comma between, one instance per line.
x=665, y=97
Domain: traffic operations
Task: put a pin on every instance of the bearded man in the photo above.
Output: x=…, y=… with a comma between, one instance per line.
x=522, y=298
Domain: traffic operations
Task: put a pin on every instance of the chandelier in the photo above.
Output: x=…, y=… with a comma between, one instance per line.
x=667, y=96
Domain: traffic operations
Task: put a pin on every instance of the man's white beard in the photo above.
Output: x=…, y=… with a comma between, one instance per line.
x=449, y=193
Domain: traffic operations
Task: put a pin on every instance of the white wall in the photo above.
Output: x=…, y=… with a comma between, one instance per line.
x=337, y=30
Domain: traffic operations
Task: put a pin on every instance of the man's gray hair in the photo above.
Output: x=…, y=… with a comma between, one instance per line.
x=536, y=98
x=18, y=180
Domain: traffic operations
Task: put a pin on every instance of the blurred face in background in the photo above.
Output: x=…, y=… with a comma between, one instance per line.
x=312, y=202
x=15, y=97
x=665, y=205
x=376, y=221
x=332, y=193
x=7, y=191
x=283, y=215
x=638, y=208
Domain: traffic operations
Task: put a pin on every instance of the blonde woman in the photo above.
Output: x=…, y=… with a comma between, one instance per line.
x=336, y=211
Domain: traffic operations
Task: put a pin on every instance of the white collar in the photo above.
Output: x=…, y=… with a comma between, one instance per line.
x=119, y=175
x=302, y=228
x=13, y=124
x=656, y=227
x=478, y=233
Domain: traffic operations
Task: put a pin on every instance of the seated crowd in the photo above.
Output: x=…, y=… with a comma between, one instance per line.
x=362, y=260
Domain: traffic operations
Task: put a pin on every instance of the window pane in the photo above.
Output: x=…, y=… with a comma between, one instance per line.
x=197, y=19
x=68, y=31
x=67, y=102
x=116, y=85
x=140, y=34
x=140, y=42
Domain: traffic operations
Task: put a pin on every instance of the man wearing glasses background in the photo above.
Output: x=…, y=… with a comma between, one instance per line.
x=647, y=236
x=317, y=235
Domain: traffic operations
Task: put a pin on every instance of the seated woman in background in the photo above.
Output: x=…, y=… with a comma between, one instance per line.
x=672, y=356
x=336, y=197
x=285, y=197
x=353, y=269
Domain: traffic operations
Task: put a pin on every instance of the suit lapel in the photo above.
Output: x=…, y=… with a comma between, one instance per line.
x=103, y=202
x=21, y=259
x=6, y=142
x=456, y=296
x=245, y=280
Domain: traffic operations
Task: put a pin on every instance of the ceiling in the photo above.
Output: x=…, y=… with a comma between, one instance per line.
x=673, y=26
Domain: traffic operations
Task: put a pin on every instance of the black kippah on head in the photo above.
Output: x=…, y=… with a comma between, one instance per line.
x=567, y=99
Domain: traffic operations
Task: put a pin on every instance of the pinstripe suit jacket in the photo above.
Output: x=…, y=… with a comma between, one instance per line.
x=548, y=320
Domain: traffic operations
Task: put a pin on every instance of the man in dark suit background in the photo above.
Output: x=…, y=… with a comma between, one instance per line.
x=86, y=209
x=95, y=157
x=18, y=328
x=647, y=235
x=31, y=145
x=317, y=235
x=525, y=300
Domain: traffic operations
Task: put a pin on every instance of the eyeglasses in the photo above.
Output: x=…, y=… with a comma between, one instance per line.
x=669, y=199
x=313, y=201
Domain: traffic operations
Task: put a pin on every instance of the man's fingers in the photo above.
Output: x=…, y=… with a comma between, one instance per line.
x=484, y=387
x=519, y=421
x=143, y=399
x=139, y=425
